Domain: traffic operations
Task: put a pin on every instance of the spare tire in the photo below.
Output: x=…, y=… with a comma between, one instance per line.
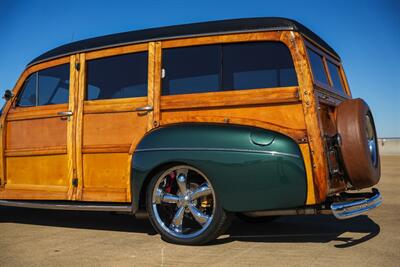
x=358, y=143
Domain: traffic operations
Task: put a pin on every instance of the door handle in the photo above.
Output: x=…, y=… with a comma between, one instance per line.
x=147, y=108
x=65, y=113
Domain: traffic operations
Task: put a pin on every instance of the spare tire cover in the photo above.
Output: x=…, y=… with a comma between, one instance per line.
x=359, y=144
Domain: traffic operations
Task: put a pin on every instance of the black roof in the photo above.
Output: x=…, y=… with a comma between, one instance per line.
x=193, y=29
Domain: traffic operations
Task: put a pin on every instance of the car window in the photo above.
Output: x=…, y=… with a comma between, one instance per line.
x=224, y=67
x=193, y=69
x=257, y=65
x=27, y=97
x=53, y=85
x=335, y=76
x=317, y=67
x=117, y=77
x=46, y=87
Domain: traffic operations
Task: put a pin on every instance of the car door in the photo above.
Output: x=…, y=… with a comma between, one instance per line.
x=37, y=128
x=116, y=113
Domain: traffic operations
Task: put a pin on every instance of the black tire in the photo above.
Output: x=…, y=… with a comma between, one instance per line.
x=249, y=219
x=220, y=220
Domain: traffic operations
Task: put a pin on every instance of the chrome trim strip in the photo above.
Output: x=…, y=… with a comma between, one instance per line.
x=345, y=210
x=217, y=150
x=288, y=212
x=65, y=206
x=160, y=39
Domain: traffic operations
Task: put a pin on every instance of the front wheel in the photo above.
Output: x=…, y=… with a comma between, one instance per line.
x=183, y=206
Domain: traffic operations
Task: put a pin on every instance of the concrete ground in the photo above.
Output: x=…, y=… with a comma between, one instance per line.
x=61, y=238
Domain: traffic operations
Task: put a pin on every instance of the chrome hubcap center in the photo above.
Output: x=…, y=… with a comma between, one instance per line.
x=186, y=201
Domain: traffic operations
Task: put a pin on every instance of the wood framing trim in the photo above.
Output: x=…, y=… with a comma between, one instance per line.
x=80, y=96
x=310, y=109
x=34, y=193
x=59, y=150
x=56, y=188
x=92, y=149
x=225, y=38
x=150, y=84
x=113, y=105
x=39, y=112
x=71, y=124
x=232, y=98
x=116, y=51
x=157, y=84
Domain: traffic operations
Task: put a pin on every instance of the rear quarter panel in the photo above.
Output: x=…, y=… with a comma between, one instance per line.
x=249, y=168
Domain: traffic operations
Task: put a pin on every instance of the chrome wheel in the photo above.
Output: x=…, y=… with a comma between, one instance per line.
x=371, y=140
x=183, y=202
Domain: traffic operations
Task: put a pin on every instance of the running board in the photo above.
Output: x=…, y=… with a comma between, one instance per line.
x=59, y=205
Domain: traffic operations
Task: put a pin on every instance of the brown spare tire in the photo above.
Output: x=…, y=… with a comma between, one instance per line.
x=359, y=144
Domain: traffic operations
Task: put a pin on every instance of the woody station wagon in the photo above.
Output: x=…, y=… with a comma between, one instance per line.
x=191, y=123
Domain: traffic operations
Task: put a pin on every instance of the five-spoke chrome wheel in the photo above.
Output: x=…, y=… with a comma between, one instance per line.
x=183, y=202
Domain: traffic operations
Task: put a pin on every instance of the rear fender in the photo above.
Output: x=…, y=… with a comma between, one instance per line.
x=249, y=168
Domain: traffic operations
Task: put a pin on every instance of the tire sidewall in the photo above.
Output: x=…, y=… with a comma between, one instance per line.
x=351, y=124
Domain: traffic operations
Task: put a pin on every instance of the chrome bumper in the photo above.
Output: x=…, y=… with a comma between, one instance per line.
x=356, y=204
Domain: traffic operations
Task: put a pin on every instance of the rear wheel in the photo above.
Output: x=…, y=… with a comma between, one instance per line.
x=183, y=206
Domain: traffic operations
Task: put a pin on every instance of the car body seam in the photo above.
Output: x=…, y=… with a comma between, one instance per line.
x=216, y=150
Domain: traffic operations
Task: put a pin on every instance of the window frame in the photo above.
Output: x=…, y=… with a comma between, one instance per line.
x=219, y=40
x=118, y=51
x=34, y=70
x=325, y=58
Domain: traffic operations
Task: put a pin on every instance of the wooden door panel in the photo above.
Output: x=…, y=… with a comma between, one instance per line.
x=36, y=133
x=105, y=176
x=111, y=128
x=48, y=170
x=107, y=139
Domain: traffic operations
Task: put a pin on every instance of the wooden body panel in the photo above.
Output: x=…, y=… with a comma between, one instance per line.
x=36, y=133
x=106, y=141
x=287, y=119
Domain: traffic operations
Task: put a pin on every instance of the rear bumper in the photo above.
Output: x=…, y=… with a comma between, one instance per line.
x=355, y=204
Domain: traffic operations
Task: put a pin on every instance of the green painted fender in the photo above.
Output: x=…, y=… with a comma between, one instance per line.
x=250, y=168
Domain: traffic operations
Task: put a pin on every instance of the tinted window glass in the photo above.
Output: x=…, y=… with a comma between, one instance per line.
x=54, y=85
x=28, y=95
x=257, y=65
x=117, y=77
x=191, y=70
x=317, y=66
x=335, y=76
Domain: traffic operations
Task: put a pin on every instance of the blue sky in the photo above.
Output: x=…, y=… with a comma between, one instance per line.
x=366, y=34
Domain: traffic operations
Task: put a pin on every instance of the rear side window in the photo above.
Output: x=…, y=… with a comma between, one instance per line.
x=46, y=87
x=121, y=76
x=317, y=66
x=191, y=70
x=225, y=67
x=335, y=76
x=257, y=65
